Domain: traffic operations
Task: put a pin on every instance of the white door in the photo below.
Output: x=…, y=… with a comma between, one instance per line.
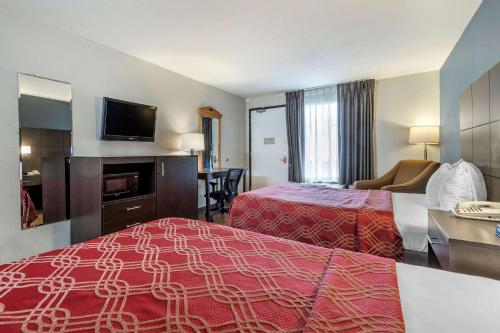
x=269, y=148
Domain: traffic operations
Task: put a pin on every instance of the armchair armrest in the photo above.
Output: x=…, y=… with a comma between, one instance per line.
x=377, y=183
x=417, y=184
x=373, y=184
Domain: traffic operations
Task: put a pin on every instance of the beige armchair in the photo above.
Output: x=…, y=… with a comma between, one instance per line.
x=407, y=176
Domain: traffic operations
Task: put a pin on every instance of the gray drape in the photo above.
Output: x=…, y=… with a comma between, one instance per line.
x=355, y=131
x=295, y=135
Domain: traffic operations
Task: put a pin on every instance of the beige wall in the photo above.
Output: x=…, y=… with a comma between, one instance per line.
x=94, y=71
x=402, y=102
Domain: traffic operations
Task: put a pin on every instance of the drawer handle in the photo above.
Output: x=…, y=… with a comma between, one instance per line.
x=132, y=208
x=132, y=225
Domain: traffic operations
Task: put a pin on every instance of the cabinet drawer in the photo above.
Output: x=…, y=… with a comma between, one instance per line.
x=439, y=244
x=127, y=210
x=127, y=223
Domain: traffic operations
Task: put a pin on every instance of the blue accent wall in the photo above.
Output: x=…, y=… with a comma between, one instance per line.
x=477, y=50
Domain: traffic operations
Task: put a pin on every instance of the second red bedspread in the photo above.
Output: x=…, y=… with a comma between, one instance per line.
x=356, y=220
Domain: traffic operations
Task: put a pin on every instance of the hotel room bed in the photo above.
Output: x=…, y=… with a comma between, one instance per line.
x=293, y=211
x=186, y=276
x=439, y=301
x=28, y=210
x=356, y=220
x=410, y=216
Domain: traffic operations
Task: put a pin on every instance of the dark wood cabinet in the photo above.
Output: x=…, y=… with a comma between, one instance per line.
x=167, y=188
x=177, y=194
x=54, y=189
x=127, y=213
x=85, y=198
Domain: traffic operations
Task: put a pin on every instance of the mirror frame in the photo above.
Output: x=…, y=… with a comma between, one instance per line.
x=19, y=132
x=210, y=112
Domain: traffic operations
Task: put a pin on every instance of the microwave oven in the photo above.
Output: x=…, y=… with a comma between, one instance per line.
x=120, y=184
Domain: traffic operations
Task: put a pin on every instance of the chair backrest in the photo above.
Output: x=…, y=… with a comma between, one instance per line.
x=232, y=181
x=409, y=169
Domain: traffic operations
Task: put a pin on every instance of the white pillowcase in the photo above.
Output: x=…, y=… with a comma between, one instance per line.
x=465, y=182
x=479, y=186
x=435, y=182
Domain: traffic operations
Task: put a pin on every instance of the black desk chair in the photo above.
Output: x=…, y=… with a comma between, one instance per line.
x=229, y=190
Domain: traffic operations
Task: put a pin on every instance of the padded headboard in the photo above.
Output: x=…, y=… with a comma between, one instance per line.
x=480, y=128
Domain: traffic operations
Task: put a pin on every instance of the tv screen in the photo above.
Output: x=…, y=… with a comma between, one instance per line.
x=127, y=121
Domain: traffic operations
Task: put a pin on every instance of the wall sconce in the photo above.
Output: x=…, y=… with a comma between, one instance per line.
x=426, y=135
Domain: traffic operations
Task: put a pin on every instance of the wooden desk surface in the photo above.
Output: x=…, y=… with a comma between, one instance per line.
x=474, y=232
x=213, y=170
x=204, y=173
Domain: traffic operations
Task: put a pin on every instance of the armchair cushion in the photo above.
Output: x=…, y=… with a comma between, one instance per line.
x=409, y=176
x=410, y=169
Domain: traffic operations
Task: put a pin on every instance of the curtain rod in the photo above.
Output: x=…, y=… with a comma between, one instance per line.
x=326, y=85
x=312, y=88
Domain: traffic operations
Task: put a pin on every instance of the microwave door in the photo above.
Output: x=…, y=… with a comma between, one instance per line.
x=116, y=186
x=123, y=184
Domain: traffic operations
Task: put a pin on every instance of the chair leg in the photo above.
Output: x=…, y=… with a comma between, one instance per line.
x=225, y=208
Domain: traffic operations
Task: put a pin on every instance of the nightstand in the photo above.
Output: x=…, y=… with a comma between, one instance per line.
x=463, y=245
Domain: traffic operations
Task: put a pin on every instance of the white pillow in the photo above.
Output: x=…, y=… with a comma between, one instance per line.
x=478, y=184
x=435, y=182
x=464, y=183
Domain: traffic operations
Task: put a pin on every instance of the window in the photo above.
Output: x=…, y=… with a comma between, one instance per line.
x=321, y=151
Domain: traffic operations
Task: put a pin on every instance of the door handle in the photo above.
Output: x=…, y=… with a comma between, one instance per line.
x=162, y=169
x=128, y=209
x=132, y=225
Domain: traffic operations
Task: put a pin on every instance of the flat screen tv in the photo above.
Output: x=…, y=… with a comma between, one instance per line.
x=127, y=121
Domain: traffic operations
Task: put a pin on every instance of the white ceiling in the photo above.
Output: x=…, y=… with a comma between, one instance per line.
x=253, y=47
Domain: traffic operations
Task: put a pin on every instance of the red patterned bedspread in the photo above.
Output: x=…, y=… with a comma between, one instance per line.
x=28, y=210
x=356, y=220
x=178, y=275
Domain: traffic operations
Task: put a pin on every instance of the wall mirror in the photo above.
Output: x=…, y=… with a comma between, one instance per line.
x=210, y=125
x=45, y=125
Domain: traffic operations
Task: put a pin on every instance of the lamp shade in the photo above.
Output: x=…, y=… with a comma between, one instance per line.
x=192, y=141
x=424, y=134
x=25, y=150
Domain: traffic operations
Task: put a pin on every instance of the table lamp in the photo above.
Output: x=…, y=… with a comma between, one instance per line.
x=192, y=142
x=426, y=135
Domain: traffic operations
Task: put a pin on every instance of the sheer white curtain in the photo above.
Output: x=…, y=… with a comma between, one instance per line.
x=320, y=120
